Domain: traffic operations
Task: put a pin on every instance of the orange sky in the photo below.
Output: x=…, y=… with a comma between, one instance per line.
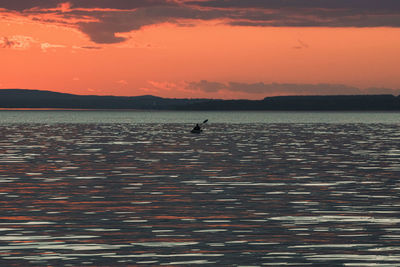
x=170, y=60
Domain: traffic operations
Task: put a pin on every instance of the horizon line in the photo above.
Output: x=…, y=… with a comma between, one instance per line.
x=223, y=99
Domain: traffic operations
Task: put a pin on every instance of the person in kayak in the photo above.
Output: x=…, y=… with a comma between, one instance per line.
x=197, y=127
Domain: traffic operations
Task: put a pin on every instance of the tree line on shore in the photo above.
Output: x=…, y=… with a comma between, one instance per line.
x=21, y=98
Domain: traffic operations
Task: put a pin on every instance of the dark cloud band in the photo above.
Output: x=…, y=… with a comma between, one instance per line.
x=372, y=5
x=21, y=5
x=286, y=88
x=110, y=17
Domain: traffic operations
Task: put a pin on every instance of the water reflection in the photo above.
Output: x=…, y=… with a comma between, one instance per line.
x=124, y=194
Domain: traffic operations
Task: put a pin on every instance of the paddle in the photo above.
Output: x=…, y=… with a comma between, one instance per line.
x=204, y=122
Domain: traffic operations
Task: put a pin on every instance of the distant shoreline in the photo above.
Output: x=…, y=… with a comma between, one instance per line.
x=68, y=109
x=166, y=110
x=21, y=99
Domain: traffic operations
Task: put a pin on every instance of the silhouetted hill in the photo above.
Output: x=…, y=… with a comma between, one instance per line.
x=20, y=98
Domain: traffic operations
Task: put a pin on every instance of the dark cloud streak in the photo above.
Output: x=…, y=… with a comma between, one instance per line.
x=110, y=17
x=20, y=5
x=109, y=23
x=272, y=89
x=372, y=5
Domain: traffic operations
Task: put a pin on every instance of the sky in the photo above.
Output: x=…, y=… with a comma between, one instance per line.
x=227, y=49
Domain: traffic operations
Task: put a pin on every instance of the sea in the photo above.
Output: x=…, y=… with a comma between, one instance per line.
x=136, y=188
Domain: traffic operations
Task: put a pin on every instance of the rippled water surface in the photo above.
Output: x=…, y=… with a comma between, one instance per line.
x=235, y=195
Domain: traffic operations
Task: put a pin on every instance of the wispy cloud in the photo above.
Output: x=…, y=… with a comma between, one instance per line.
x=46, y=46
x=18, y=42
x=90, y=47
x=206, y=86
x=21, y=42
x=102, y=20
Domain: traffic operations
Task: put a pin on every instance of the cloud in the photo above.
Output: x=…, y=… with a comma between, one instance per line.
x=105, y=28
x=104, y=20
x=382, y=90
x=27, y=4
x=92, y=47
x=46, y=46
x=165, y=86
x=21, y=5
x=292, y=89
x=89, y=47
x=21, y=42
x=6, y=43
x=206, y=86
x=277, y=4
x=271, y=89
x=18, y=42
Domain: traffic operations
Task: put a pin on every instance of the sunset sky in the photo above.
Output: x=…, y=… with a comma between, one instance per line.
x=201, y=48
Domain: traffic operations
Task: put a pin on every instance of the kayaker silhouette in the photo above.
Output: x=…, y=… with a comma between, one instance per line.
x=197, y=128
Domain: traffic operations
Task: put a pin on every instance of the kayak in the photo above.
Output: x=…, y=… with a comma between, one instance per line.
x=196, y=131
